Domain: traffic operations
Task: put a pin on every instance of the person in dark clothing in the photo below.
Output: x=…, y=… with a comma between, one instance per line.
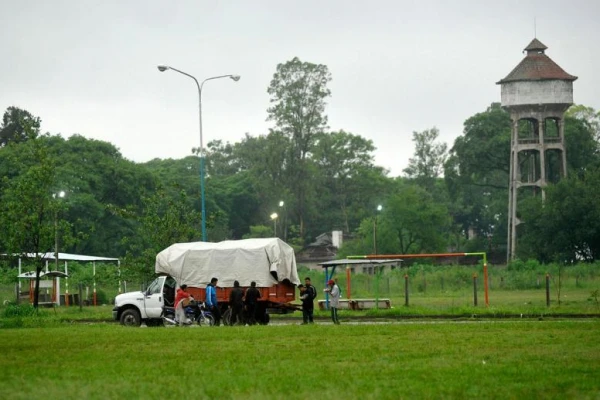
x=252, y=296
x=308, y=293
x=236, y=302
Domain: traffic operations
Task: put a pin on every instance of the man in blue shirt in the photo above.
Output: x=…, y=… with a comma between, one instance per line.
x=211, y=300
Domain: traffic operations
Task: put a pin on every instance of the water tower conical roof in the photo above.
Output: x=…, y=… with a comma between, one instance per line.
x=537, y=66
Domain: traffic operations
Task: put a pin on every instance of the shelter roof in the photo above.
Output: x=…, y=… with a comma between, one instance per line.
x=67, y=257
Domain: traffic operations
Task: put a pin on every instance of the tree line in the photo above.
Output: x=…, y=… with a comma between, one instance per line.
x=448, y=199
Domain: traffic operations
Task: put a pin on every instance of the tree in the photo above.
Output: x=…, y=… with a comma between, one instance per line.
x=298, y=91
x=27, y=208
x=344, y=170
x=419, y=224
x=428, y=162
x=410, y=222
x=581, y=147
x=17, y=126
x=588, y=115
x=476, y=175
x=565, y=228
x=163, y=220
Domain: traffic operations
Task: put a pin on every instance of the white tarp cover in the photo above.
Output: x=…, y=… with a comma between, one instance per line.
x=194, y=264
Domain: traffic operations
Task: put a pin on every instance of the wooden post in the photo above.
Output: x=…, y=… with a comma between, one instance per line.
x=406, y=290
x=475, y=290
x=348, y=282
x=547, y=290
x=80, y=296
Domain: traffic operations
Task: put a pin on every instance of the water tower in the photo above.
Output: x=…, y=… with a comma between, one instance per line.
x=536, y=93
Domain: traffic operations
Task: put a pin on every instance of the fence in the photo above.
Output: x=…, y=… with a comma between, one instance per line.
x=418, y=286
x=443, y=287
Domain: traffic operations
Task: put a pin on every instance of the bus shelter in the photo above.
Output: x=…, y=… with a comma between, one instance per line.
x=357, y=303
x=55, y=276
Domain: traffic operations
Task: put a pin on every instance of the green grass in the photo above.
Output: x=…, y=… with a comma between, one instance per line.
x=491, y=359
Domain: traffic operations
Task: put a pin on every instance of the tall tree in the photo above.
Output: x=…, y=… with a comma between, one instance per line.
x=587, y=114
x=298, y=91
x=18, y=125
x=566, y=227
x=343, y=162
x=476, y=174
x=419, y=224
x=28, y=211
x=410, y=222
x=162, y=221
x=428, y=162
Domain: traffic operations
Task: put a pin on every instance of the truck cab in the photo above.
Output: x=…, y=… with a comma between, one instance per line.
x=133, y=308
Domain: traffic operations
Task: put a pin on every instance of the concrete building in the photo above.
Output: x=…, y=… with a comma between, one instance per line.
x=537, y=93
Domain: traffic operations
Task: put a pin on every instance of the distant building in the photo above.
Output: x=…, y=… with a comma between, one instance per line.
x=324, y=248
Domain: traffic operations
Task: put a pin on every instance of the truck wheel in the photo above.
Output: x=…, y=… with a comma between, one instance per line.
x=265, y=319
x=131, y=317
x=262, y=316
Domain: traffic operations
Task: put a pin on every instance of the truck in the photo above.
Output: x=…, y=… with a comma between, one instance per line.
x=269, y=262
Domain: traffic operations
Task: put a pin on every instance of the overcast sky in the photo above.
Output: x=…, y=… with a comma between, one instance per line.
x=89, y=67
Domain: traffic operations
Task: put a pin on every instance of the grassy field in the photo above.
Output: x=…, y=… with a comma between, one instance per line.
x=485, y=359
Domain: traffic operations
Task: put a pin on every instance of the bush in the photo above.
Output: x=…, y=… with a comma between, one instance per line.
x=101, y=297
x=14, y=310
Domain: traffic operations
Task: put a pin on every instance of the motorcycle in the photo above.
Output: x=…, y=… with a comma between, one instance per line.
x=195, y=312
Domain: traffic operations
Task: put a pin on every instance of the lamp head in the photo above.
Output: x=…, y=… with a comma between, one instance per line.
x=281, y=203
x=274, y=216
x=162, y=68
x=379, y=207
x=235, y=77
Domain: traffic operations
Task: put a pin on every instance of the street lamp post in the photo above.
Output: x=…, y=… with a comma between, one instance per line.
x=284, y=221
x=274, y=218
x=235, y=78
x=59, y=195
x=375, y=229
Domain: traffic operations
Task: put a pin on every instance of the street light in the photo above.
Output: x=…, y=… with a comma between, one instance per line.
x=235, y=78
x=284, y=222
x=60, y=195
x=274, y=218
x=379, y=207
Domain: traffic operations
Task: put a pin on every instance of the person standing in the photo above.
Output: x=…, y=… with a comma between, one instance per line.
x=334, y=300
x=308, y=293
x=252, y=296
x=236, y=302
x=182, y=297
x=211, y=300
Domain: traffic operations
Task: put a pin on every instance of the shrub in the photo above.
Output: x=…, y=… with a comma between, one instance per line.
x=14, y=310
